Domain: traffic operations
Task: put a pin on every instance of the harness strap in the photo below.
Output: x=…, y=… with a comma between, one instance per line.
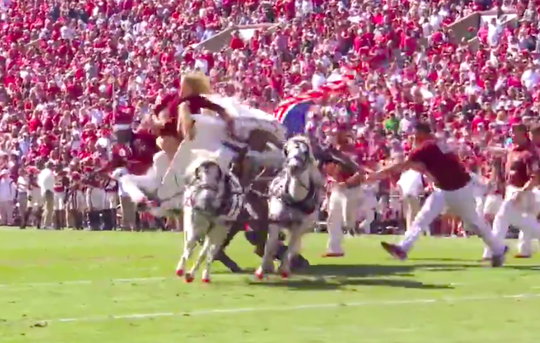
x=306, y=205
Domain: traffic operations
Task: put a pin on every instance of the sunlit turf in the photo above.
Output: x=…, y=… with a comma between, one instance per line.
x=120, y=287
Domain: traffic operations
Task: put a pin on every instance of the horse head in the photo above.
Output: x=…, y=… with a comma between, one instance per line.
x=206, y=186
x=298, y=155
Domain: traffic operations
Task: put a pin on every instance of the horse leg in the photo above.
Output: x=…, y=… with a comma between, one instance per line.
x=269, y=251
x=292, y=251
x=190, y=240
x=259, y=227
x=202, y=254
x=216, y=238
x=220, y=254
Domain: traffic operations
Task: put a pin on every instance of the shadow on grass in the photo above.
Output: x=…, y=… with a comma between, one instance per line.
x=336, y=276
x=445, y=259
x=323, y=284
x=368, y=270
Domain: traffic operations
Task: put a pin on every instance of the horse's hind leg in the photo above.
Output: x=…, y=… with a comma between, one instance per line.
x=216, y=237
x=222, y=256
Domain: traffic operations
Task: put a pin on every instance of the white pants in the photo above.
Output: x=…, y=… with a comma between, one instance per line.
x=37, y=199
x=95, y=199
x=367, y=209
x=521, y=213
x=460, y=202
x=76, y=201
x=525, y=238
x=492, y=204
x=59, y=201
x=6, y=212
x=411, y=207
x=343, y=206
x=111, y=200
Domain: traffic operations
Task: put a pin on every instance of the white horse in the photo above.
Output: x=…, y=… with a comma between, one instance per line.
x=213, y=200
x=295, y=199
x=210, y=134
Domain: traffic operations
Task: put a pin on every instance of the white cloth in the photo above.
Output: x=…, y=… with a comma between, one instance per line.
x=8, y=189
x=530, y=78
x=22, y=184
x=46, y=180
x=317, y=80
x=210, y=133
x=492, y=204
x=133, y=185
x=410, y=183
x=95, y=199
x=58, y=201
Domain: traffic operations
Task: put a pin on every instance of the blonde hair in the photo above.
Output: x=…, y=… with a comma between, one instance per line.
x=198, y=82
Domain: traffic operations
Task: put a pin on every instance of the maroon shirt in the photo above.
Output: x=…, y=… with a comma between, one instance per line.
x=345, y=156
x=442, y=165
x=59, y=182
x=521, y=165
x=137, y=157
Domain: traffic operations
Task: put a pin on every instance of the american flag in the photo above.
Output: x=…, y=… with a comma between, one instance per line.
x=292, y=111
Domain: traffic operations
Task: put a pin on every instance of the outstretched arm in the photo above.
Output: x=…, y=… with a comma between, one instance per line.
x=390, y=170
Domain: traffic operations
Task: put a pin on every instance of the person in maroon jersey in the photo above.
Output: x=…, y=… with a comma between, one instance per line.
x=453, y=188
x=522, y=174
x=495, y=194
x=135, y=155
x=60, y=183
x=174, y=112
x=75, y=200
x=343, y=202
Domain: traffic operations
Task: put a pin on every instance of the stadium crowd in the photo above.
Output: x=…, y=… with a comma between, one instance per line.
x=71, y=69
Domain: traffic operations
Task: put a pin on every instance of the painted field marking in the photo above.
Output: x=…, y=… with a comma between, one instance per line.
x=231, y=311
x=78, y=282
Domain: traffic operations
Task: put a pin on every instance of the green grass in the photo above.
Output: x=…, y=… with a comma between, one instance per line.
x=441, y=295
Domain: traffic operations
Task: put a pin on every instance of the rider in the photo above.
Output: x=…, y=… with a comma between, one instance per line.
x=175, y=111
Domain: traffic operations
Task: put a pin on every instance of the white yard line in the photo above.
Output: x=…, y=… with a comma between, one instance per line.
x=78, y=282
x=231, y=311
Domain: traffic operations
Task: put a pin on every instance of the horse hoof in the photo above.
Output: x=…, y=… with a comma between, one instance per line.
x=188, y=278
x=259, y=274
x=180, y=272
x=206, y=280
x=284, y=275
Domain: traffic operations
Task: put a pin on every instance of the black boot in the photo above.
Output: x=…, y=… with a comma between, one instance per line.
x=94, y=220
x=108, y=224
x=57, y=220
x=79, y=220
x=299, y=262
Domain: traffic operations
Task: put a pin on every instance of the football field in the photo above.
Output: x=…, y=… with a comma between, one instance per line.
x=100, y=287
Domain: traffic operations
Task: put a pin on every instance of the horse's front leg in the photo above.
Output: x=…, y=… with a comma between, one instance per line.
x=291, y=253
x=295, y=242
x=272, y=243
x=202, y=254
x=216, y=238
x=190, y=240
